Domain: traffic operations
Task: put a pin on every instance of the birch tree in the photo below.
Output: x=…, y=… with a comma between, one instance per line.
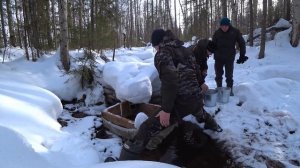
x=64, y=53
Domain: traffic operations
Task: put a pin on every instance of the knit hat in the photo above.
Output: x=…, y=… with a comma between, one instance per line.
x=157, y=36
x=211, y=46
x=224, y=21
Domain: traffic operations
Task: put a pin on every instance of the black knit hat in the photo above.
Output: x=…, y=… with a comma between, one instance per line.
x=211, y=46
x=157, y=36
x=224, y=21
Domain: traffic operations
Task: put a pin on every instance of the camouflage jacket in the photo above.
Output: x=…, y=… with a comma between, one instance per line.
x=200, y=52
x=179, y=73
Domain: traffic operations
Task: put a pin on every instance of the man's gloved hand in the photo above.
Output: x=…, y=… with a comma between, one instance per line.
x=242, y=59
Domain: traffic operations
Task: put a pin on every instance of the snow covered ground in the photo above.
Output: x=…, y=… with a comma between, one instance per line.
x=261, y=122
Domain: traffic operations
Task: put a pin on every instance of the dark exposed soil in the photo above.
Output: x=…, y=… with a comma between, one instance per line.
x=201, y=152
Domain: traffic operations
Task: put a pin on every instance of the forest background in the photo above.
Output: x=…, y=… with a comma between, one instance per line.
x=41, y=26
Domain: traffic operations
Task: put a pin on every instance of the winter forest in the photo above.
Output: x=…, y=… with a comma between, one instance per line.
x=78, y=76
x=42, y=26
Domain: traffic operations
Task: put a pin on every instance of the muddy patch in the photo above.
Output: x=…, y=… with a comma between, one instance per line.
x=197, y=151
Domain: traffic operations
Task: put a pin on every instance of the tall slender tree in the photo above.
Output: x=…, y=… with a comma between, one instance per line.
x=263, y=31
x=12, y=37
x=251, y=23
x=34, y=30
x=224, y=8
x=296, y=23
x=255, y=4
x=48, y=25
x=64, y=48
x=25, y=34
x=53, y=15
x=234, y=8
x=270, y=12
x=287, y=9
x=19, y=23
x=3, y=25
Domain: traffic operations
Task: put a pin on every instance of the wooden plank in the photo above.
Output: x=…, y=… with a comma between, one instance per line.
x=127, y=133
x=118, y=120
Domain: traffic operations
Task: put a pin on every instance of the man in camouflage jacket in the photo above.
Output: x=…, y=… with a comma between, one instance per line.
x=181, y=91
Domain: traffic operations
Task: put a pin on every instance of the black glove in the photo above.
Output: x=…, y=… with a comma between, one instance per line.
x=242, y=59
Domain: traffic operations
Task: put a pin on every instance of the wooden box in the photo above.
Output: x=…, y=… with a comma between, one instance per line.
x=119, y=118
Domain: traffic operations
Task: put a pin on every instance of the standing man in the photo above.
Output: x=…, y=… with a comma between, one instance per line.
x=225, y=39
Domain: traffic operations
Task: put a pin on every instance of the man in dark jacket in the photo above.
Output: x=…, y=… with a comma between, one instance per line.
x=225, y=39
x=181, y=87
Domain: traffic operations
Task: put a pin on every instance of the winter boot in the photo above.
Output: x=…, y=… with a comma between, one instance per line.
x=231, y=92
x=209, y=121
x=219, y=83
x=131, y=150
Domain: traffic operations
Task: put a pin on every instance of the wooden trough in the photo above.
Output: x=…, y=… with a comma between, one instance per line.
x=119, y=118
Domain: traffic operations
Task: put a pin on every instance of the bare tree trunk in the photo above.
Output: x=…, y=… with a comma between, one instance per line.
x=18, y=24
x=175, y=15
x=169, y=14
x=49, y=37
x=211, y=18
x=207, y=35
x=270, y=12
x=80, y=23
x=92, y=30
x=184, y=14
x=131, y=24
x=251, y=23
x=255, y=3
x=263, y=32
x=234, y=7
x=70, y=24
x=146, y=20
x=296, y=23
x=34, y=31
x=26, y=27
x=241, y=25
x=152, y=15
x=3, y=26
x=217, y=12
x=136, y=20
x=287, y=10
x=12, y=37
x=224, y=8
x=64, y=53
x=53, y=22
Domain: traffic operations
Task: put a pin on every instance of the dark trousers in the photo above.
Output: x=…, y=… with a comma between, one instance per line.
x=151, y=134
x=219, y=70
